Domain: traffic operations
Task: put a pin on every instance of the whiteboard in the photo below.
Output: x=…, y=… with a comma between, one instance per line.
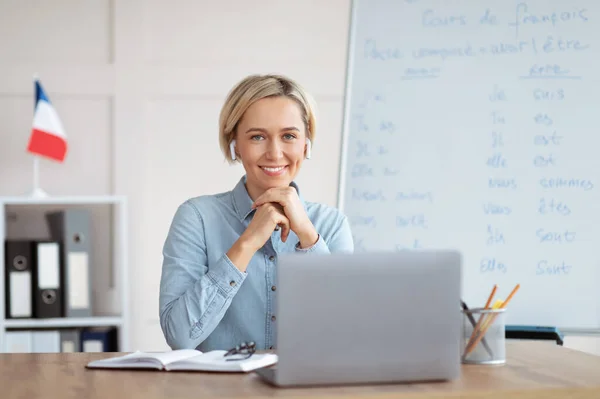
x=473, y=125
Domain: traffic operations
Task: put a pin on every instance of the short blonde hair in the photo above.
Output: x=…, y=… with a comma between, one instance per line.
x=254, y=88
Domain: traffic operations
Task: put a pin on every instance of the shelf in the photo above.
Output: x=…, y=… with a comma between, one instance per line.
x=113, y=243
x=63, y=200
x=65, y=322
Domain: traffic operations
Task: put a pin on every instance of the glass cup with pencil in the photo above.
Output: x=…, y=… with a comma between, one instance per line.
x=483, y=341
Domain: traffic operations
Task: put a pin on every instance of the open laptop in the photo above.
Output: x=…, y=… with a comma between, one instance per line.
x=367, y=318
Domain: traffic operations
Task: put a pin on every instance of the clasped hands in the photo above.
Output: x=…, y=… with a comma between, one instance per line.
x=281, y=207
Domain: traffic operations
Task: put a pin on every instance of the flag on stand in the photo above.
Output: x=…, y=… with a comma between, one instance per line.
x=48, y=136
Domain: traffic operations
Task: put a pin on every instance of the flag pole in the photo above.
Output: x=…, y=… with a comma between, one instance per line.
x=37, y=192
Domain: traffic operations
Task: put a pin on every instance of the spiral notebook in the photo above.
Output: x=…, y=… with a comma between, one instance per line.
x=187, y=360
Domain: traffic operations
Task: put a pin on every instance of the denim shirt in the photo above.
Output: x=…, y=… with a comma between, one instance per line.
x=205, y=301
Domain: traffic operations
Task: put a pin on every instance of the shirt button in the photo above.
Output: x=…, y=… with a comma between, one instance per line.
x=271, y=258
x=273, y=318
x=232, y=283
x=273, y=288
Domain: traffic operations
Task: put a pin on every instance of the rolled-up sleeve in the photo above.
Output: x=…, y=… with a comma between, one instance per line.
x=340, y=241
x=193, y=297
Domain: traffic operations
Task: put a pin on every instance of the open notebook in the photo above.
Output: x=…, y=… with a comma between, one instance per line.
x=187, y=360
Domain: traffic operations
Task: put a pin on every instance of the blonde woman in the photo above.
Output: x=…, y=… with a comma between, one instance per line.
x=219, y=269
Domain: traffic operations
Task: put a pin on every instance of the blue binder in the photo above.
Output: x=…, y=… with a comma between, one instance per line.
x=99, y=339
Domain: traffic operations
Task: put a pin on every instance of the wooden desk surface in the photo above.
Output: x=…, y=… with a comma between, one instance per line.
x=534, y=370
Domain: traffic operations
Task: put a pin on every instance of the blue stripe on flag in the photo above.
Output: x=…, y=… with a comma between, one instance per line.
x=40, y=95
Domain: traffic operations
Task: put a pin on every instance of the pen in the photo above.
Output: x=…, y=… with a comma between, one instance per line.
x=472, y=320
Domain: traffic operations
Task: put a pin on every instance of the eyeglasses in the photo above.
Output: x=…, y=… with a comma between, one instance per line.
x=241, y=351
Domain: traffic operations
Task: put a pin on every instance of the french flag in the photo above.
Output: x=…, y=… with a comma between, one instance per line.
x=48, y=136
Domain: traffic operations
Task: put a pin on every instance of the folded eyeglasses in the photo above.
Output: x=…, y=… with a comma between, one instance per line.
x=241, y=351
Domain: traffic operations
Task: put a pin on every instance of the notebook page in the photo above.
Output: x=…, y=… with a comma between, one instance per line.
x=139, y=359
x=173, y=356
x=132, y=360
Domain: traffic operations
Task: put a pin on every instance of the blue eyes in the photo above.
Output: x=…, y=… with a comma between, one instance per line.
x=286, y=136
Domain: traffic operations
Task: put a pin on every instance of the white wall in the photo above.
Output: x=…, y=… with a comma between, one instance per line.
x=139, y=84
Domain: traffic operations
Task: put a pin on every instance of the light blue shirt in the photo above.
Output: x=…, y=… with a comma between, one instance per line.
x=205, y=301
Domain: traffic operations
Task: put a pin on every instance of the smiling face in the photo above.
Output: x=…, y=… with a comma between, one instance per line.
x=271, y=143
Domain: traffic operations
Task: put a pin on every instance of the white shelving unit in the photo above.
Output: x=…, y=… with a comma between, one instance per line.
x=118, y=264
x=65, y=322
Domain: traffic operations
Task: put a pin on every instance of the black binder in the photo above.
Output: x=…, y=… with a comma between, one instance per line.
x=47, y=291
x=534, y=332
x=18, y=266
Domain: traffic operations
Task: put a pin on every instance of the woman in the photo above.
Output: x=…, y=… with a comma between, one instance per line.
x=218, y=278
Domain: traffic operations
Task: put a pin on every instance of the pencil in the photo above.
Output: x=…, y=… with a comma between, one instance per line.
x=478, y=325
x=513, y=292
x=487, y=304
x=481, y=334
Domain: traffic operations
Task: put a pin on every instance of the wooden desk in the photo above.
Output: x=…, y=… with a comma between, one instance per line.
x=534, y=370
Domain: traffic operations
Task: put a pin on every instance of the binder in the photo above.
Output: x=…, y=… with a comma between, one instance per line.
x=47, y=299
x=534, y=332
x=99, y=339
x=18, y=261
x=18, y=342
x=69, y=341
x=45, y=341
x=72, y=228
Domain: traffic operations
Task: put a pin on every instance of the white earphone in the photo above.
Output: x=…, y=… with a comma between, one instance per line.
x=232, y=149
x=308, y=148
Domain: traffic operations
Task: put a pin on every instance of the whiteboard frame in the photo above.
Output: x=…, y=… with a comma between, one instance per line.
x=347, y=101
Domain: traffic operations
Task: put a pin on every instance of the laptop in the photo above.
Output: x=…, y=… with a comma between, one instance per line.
x=367, y=318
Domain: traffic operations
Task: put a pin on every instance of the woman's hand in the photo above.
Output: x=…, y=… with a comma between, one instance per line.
x=299, y=223
x=266, y=219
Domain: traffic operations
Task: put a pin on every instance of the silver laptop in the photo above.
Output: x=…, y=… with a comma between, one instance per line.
x=367, y=318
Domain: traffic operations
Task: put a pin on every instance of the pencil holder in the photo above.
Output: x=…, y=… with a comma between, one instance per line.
x=483, y=340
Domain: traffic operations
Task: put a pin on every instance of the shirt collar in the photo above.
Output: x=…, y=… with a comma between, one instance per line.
x=243, y=203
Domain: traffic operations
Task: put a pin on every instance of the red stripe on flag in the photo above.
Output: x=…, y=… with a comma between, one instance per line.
x=48, y=145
